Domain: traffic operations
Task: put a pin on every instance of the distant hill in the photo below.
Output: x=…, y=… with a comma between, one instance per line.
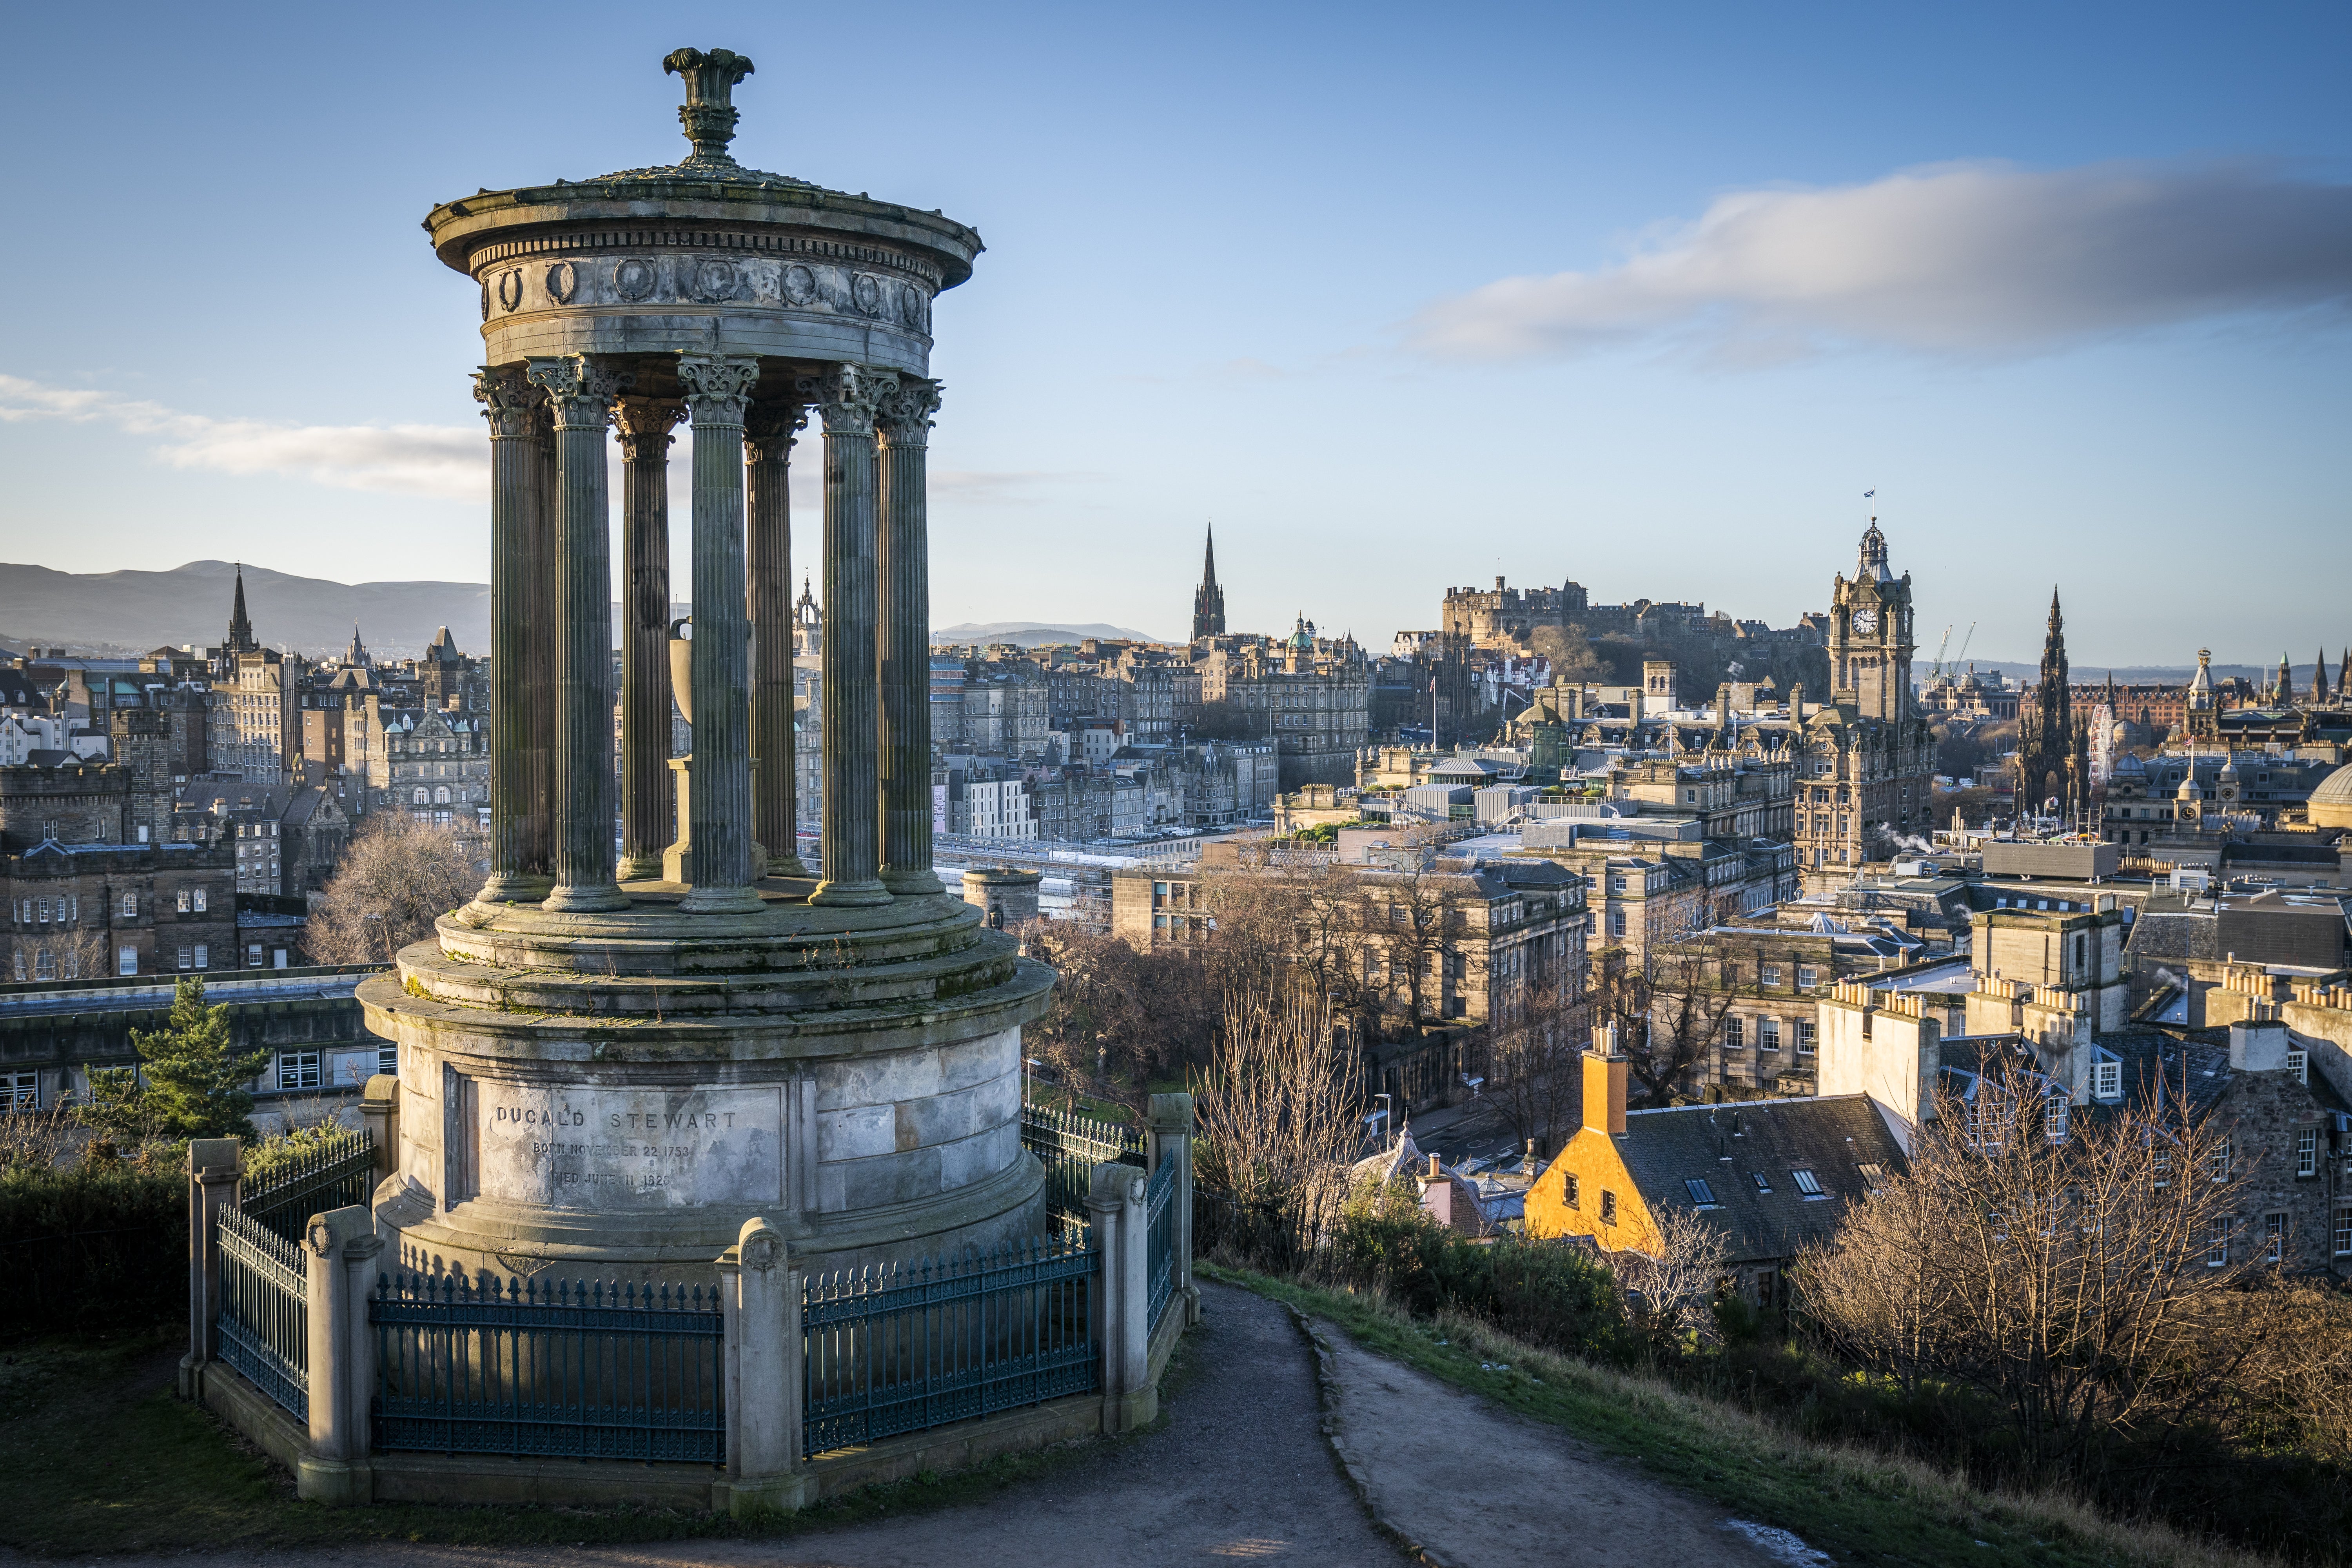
x=135, y=611
x=1031, y=633
x=2084, y=672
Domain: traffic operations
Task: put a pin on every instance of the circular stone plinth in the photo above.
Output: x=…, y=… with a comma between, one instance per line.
x=616, y=1094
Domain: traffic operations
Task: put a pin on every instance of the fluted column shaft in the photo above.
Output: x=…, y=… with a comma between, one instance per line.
x=510, y=404
x=768, y=551
x=582, y=389
x=540, y=710
x=904, y=423
x=850, y=830
x=647, y=824
x=718, y=390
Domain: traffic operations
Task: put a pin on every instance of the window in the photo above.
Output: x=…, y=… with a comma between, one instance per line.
x=20, y=1091
x=45, y=966
x=1575, y=1191
x=2273, y=1238
x=2217, y=1247
x=126, y=961
x=1767, y=1034
x=297, y=1070
x=2054, y=1118
x=253, y=956
x=188, y=957
x=2344, y=1230
x=1763, y=1182
x=1700, y=1193
x=2299, y=1064
x=387, y=1061
x=1735, y=1035
x=187, y=901
x=2218, y=1165
x=131, y=906
x=1873, y=1177
x=1768, y=975
x=44, y=907
x=1806, y=1182
x=1807, y=977
x=1607, y=1208
x=1804, y=1037
x=2306, y=1151
x=2162, y=1165
x=421, y=796
x=1616, y=922
x=2106, y=1079
x=204, y=956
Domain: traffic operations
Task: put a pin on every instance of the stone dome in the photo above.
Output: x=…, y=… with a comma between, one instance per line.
x=2331, y=803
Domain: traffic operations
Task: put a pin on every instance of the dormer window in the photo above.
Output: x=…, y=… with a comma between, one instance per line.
x=2106, y=1078
x=1763, y=1182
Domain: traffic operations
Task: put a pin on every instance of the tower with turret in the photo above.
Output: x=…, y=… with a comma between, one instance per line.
x=1209, y=599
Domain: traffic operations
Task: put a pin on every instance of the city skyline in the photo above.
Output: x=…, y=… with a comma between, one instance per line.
x=1688, y=293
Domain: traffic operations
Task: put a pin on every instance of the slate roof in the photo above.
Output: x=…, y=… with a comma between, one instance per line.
x=2170, y=926
x=1729, y=1146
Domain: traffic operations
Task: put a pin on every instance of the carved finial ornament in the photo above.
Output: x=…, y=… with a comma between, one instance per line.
x=708, y=113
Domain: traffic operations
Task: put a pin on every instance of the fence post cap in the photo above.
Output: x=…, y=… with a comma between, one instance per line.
x=1115, y=1183
x=382, y=1087
x=350, y=1232
x=216, y=1156
x=1172, y=1114
x=760, y=1246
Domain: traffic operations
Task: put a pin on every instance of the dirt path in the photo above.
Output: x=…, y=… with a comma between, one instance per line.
x=1476, y=1487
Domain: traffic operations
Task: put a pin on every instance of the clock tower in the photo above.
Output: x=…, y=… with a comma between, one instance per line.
x=1870, y=636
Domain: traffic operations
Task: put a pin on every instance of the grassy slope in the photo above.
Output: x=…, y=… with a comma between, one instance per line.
x=1858, y=1507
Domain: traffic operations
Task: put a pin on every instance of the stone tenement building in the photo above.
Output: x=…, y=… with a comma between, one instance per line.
x=1310, y=697
x=257, y=703
x=2054, y=742
x=1865, y=757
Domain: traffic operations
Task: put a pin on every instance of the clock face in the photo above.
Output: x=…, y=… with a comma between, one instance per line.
x=1865, y=620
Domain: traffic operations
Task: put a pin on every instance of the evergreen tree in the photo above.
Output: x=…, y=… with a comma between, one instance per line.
x=195, y=1084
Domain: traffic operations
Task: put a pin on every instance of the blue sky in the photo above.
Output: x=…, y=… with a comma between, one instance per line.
x=1401, y=297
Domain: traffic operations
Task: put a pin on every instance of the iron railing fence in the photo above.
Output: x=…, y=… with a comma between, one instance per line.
x=264, y=1324
x=1160, y=1233
x=1070, y=1146
x=564, y=1369
x=339, y=1172
x=898, y=1349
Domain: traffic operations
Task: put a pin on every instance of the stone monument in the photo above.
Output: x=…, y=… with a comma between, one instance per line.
x=602, y=1070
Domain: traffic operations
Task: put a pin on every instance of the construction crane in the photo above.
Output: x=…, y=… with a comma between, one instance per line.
x=1964, y=644
x=1938, y=666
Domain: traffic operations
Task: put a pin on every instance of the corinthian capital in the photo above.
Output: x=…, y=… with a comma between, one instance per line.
x=768, y=429
x=904, y=415
x=848, y=396
x=645, y=423
x=580, y=387
x=508, y=403
x=717, y=386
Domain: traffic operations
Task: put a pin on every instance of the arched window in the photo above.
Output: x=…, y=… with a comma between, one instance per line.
x=441, y=796
x=421, y=797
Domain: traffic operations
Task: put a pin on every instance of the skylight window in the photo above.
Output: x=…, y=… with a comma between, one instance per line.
x=1701, y=1193
x=1806, y=1182
x=1762, y=1184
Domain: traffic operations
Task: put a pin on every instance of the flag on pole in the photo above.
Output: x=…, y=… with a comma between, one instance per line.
x=1867, y=494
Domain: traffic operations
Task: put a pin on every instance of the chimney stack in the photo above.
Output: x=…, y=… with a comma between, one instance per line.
x=1604, y=1094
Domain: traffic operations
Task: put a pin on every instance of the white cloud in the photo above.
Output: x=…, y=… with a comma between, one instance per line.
x=403, y=459
x=1963, y=258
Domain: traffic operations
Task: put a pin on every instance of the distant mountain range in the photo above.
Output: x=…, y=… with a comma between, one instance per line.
x=132, y=612
x=2082, y=672
x=1031, y=634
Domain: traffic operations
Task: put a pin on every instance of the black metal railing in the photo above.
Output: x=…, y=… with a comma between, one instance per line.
x=1160, y=1237
x=562, y=1368
x=263, y=1328
x=898, y=1349
x=1070, y=1146
x=340, y=1172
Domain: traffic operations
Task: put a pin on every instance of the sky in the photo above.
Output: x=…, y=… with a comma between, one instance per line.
x=1646, y=298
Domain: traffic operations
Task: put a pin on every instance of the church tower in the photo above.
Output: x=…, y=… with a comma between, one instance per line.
x=1208, y=599
x=240, y=625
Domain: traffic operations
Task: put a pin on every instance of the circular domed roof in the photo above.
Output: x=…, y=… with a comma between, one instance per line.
x=2331, y=803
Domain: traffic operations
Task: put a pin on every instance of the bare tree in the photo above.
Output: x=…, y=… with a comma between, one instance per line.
x=1413, y=919
x=1535, y=1072
x=2078, y=1272
x=1678, y=1282
x=397, y=878
x=1665, y=1010
x=1118, y=1016
x=63, y=954
x=1279, y=1120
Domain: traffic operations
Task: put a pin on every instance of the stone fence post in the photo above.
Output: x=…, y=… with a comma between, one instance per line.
x=1115, y=1205
x=214, y=1166
x=380, y=1114
x=760, y=1298
x=339, y=1255
x=1171, y=1139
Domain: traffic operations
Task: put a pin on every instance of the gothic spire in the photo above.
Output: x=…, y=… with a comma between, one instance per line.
x=1209, y=560
x=1209, y=599
x=2319, y=677
x=240, y=625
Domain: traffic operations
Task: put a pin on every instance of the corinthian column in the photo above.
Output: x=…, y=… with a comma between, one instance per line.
x=904, y=420
x=540, y=707
x=768, y=433
x=645, y=426
x=581, y=388
x=718, y=802
x=510, y=404
x=849, y=833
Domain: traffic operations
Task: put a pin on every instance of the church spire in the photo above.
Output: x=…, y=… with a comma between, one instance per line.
x=240, y=625
x=1209, y=599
